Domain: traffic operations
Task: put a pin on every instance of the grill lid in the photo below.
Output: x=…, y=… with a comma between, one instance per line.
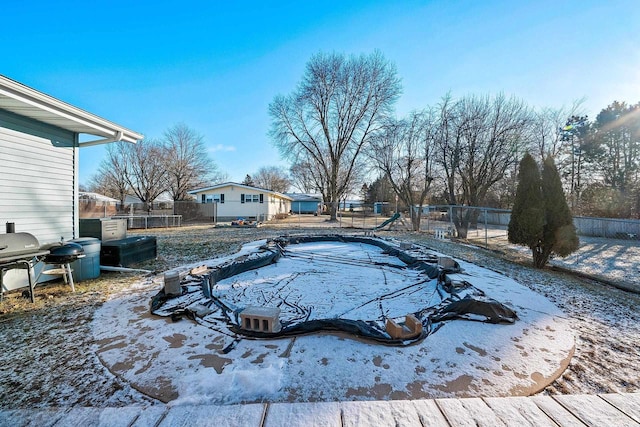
x=64, y=253
x=16, y=246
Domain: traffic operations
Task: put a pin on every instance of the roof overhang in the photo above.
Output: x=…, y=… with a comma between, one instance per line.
x=25, y=101
x=235, y=184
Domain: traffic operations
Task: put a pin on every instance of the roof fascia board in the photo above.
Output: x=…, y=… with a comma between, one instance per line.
x=47, y=103
x=235, y=184
x=117, y=138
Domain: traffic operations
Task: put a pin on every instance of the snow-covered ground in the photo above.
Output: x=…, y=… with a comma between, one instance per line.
x=605, y=319
x=613, y=260
x=48, y=356
x=205, y=362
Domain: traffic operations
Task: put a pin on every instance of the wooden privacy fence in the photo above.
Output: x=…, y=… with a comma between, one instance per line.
x=608, y=227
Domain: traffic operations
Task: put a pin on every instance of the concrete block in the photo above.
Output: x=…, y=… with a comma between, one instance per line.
x=406, y=246
x=200, y=310
x=206, y=286
x=260, y=319
x=446, y=262
x=172, y=283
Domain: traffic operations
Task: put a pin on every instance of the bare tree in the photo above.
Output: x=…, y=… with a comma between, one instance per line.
x=404, y=153
x=146, y=171
x=478, y=146
x=273, y=178
x=448, y=140
x=331, y=116
x=546, y=130
x=302, y=177
x=187, y=163
x=111, y=179
x=220, y=177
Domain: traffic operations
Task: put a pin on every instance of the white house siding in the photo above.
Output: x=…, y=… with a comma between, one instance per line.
x=277, y=206
x=234, y=208
x=38, y=167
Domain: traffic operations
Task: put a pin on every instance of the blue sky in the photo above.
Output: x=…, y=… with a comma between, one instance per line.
x=216, y=65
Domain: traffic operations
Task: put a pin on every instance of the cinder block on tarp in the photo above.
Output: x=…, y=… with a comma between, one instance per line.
x=260, y=319
x=172, y=283
x=406, y=246
x=446, y=262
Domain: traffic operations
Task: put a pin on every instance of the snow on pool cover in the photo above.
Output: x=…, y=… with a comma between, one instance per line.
x=182, y=362
x=334, y=283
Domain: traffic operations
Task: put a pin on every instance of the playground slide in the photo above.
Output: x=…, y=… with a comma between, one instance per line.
x=389, y=221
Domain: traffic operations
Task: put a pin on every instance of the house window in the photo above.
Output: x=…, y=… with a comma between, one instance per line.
x=249, y=198
x=218, y=198
x=203, y=198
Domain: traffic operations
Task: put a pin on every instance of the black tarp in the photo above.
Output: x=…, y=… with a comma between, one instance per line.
x=473, y=306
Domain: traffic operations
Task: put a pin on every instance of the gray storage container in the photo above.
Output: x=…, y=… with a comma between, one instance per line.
x=103, y=228
x=87, y=267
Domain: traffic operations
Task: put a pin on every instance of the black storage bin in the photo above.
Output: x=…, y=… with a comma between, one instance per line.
x=125, y=252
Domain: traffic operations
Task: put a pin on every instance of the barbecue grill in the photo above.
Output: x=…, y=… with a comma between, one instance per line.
x=20, y=250
x=63, y=254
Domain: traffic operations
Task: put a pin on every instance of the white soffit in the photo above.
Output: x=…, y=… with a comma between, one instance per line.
x=25, y=101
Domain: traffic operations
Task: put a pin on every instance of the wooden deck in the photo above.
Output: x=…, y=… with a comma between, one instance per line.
x=563, y=410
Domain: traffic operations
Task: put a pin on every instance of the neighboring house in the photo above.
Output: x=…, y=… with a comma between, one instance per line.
x=96, y=197
x=233, y=201
x=162, y=198
x=305, y=203
x=162, y=205
x=39, y=155
x=94, y=205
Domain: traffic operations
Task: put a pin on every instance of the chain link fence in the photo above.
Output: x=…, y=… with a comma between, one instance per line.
x=350, y=215
x=443, y=221
x=155, y=215
x=480, y=223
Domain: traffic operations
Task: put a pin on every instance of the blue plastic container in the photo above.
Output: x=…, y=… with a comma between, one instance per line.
x=87, y=267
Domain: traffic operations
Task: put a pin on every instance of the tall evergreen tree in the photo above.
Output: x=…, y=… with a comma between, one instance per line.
x=248, y=181
x=379, y=190
x=541, y=218
x=559, y=236
x=527, y=216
